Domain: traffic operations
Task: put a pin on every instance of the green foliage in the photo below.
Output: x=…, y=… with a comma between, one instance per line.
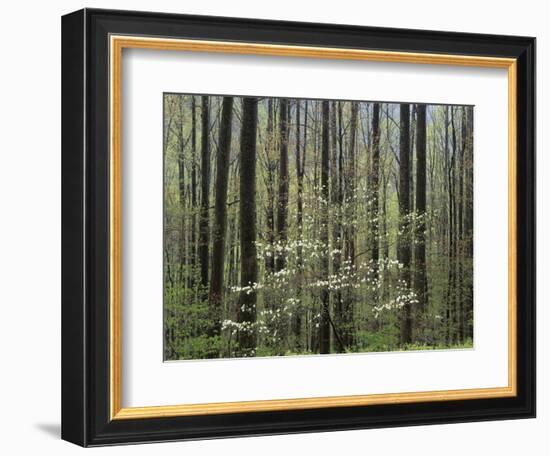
x=377, y=341
x=187, y=322
x=440, y=346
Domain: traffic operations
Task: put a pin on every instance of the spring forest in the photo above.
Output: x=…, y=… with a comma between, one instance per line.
x=302, y=226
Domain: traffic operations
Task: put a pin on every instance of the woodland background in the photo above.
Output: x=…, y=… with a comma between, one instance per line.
x=315, y=226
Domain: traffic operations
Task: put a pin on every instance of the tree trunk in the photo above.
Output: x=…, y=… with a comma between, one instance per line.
x=461, y=240
x=404, y=242
x=350, y=204
x=271, y=166
x=469, y=216
x=375, y=184
x=324, y=325
x=297, y=316
x=282, y=206
x=193, y=256
x=181, y=188
x=451, y=286
x=337, y=214
x=351, y=177
x=450, y=249
x=454, y=232
x=204, y=223
x=420, y=282
x=246, y=314
x=220, y=219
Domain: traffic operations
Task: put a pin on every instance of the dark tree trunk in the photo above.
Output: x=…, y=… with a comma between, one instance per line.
x=181, y=188
x=204, y=223
x=297, y=316
x=385, y=238
x=341, y=186
x=469, y=217
x=412, y=129
x=220, y=218
x=454, y=231
x=193, y=254
x=234, y=257
x=336, y=203
x=451, y=286
x=271, y=166
x=324, y=325
x=300, y=186
x=375, y=188
x=385, y=242
x=282, y=206
x=350, y=184
x=169, y=329
x=461, y=240
x=420, y=280
x=347, y=333
x=404, y=241
x=247, y=216
x=449, y=239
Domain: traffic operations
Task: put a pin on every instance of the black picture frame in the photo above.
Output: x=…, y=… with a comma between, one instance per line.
x=85, y=225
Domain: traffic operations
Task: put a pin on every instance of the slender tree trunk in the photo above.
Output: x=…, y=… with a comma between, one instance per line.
x=181, y=188
x=246, y=314
x=469, y=217
x=297, y=316
x=404, y=241
x=271, y=166
x=337, y=215
x=412, y=129
x=351, y=196
x=386, y=176
x=193, y=255
x=300, y=186
x=168, y=282
x=341, y=186
x=455, y=224
x=420, y=282
x=450, y=252
x=324, y=325
x=308, y=321
x=204, y=224
x=385, y=243
x=282, y=207
x=461, y=240
x=350, y=204
x=451, y=285
x=220, y=221
x=375, y=184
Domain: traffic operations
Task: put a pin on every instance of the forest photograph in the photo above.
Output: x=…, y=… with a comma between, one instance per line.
x=313, y=227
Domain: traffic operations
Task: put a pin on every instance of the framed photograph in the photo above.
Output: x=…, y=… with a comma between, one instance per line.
x=278, y=227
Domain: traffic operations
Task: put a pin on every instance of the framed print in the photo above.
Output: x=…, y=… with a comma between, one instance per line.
x=276, y=227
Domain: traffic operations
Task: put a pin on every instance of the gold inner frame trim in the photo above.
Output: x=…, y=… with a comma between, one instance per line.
x=117, y=44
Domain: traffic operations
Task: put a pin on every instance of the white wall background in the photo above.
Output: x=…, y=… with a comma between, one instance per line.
x=30, y=192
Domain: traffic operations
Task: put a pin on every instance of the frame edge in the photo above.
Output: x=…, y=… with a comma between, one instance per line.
x=73, y=302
